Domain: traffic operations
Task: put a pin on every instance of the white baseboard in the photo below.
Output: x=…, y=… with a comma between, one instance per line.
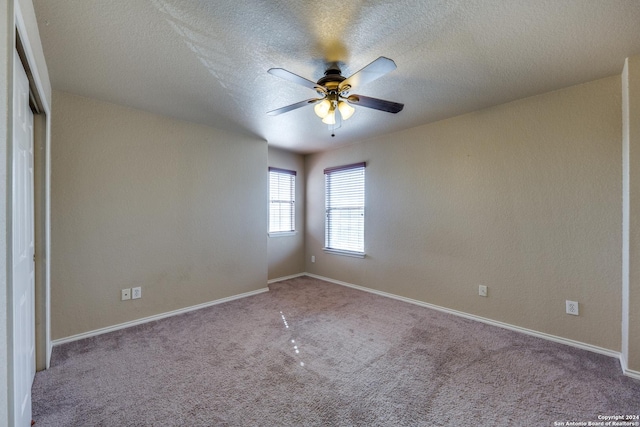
x=625, y=368
x=48, y=365
x=631, y=373
x=280, y=279
x=549, y=337
x=154, y=317
x=584, y=346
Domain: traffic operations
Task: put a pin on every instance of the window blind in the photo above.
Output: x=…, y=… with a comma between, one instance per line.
x=344, y=204
x=282, y=195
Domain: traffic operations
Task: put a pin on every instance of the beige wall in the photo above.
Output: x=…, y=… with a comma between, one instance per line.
x=286, y=253
x=143, y=200
x=524, y=198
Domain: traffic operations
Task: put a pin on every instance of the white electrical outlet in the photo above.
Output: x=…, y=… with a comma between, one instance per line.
x=125, y=294
x=573, y=308
x=136, y=293
x=313, y=258
x=482, y=290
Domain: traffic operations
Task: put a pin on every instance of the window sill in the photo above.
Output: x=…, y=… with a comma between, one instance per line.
x=283, y=234
x=345, y=253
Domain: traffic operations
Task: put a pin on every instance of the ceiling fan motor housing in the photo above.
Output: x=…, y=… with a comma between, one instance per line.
x=332, y=78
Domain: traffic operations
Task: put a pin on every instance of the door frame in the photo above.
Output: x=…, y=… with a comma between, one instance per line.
x=42, y=193
x=23, y=36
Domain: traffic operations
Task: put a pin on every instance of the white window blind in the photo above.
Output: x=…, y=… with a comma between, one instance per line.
x=344, y=203
x=282, y=199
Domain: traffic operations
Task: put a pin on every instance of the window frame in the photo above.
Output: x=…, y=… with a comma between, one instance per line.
x=292, y=190
x=331, y=205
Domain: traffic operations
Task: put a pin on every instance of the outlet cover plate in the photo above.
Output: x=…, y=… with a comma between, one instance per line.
x=125, y=294
x=573, y=308
x=482, y=290
x=136, y=293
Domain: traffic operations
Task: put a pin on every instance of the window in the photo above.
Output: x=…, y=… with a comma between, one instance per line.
x=344, y=204
x=282, y=200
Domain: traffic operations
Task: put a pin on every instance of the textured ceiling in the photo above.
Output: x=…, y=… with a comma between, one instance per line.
x=206, y=61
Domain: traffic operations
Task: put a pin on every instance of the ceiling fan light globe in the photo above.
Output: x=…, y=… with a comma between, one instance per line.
x=330, y=119
x=346, y=110
x=322, y=108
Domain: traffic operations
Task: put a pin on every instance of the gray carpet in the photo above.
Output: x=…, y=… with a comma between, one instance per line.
x=311, y=353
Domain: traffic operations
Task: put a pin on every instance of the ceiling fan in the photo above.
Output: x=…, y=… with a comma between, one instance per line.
x=334, y=103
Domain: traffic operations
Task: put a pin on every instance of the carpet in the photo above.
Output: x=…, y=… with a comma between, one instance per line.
x=312, y=353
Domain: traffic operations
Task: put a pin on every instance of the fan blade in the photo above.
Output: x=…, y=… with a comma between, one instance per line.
x=294, y=106
x=376, y=69
x=288, y=75
x=375, y=103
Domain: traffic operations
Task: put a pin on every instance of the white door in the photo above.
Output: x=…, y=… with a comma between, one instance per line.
x=23, y=248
